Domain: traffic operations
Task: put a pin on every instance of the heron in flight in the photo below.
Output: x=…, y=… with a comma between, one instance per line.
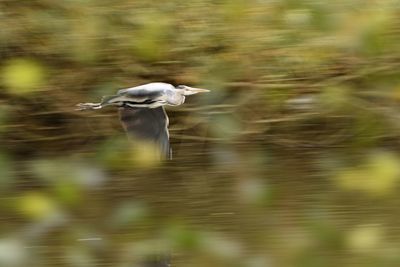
x=142, y=113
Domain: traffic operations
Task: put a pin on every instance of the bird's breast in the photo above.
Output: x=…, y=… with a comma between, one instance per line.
x=176, y=100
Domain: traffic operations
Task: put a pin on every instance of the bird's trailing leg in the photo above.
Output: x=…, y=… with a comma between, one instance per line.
x=84, y=106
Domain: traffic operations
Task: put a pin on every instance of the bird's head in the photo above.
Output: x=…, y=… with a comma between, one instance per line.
x=191, y=90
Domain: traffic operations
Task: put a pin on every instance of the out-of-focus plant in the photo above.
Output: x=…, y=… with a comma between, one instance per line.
x=277, y=166
x=21, y=76
x=7, y=174
x=377, y=176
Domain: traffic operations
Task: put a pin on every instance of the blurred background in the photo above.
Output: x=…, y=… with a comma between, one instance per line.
x=291, y=160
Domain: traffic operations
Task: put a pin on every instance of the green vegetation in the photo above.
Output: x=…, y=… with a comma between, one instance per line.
x=293, y=159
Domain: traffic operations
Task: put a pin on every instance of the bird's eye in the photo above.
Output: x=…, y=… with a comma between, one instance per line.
x=180, y=87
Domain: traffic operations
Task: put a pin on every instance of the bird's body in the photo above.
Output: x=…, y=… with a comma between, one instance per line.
x=151, y=95
x=142, y=113
x=158, y=93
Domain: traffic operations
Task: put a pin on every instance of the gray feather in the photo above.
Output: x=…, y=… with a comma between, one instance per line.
x=150, y=124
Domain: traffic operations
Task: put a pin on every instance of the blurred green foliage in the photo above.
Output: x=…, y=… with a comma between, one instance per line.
x=291, y=160
x=22, y=76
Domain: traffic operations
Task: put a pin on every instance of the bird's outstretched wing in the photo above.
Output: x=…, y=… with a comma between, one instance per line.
x=148, y=124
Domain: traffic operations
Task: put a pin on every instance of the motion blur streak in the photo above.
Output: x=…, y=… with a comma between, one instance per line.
x=292, y=159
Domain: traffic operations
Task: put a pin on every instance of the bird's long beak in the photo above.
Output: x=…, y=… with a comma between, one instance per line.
x=193, y=90
x=199, y=90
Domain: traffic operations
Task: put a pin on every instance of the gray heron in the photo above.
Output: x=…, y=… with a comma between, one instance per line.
x=142, y=113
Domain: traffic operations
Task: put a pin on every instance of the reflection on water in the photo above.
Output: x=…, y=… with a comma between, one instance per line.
x=254, y=208
x=292, y=159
